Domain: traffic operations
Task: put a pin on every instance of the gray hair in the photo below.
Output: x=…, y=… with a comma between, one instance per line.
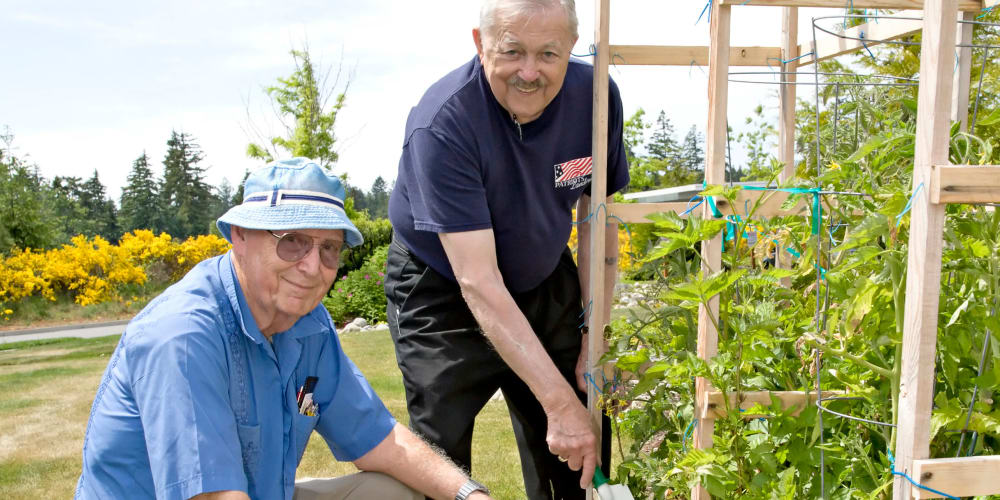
x=494, y=12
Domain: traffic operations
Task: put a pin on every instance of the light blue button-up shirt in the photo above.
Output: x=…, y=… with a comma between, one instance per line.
x=195, y=399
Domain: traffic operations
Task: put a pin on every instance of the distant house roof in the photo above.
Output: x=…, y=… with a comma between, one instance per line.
x=678, y=193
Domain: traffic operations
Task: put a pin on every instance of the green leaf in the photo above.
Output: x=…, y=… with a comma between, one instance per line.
x=720, y=281
x=991, y=119
x=632, y=361
x=866, y=148
x=958, y=311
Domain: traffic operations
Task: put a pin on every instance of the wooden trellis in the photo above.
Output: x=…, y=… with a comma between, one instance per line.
x=943, y=96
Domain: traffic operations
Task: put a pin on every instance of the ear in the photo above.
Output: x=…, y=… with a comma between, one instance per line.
x=239, y=237
x=477, y=37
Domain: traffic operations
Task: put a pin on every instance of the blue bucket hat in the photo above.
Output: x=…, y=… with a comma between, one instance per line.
x=291, y=194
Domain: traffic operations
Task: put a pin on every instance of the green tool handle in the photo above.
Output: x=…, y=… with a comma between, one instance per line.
x=599, y=478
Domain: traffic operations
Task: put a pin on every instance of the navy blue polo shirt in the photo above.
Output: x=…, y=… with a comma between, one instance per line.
x=466, y=165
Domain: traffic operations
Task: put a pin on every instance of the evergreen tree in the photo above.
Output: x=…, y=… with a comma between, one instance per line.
x=662, y=144
x=140, y=201
x=186, y=198
x=378, y=199
x=66, y=194
x=691, y=157
x=99, y=209
x=26, y=217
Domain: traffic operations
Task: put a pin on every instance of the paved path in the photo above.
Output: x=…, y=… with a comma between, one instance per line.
x=53, y=332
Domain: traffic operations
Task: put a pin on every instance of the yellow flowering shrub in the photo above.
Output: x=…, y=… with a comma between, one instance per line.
x=625, y=252
x=93, y=270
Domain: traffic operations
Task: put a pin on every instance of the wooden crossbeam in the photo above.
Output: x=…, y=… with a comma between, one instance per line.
x=715, y=404
x=958, y=477
x=829, y=46
x=963, y=5
x=965, y=184
x=684, y=55
x=636, y=213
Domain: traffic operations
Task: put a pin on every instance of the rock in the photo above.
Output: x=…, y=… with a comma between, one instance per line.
x=360, y=322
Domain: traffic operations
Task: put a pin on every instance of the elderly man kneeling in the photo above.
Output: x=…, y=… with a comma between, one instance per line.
x=217, y=385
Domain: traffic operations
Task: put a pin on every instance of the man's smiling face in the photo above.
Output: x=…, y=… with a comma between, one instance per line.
x=525, y=61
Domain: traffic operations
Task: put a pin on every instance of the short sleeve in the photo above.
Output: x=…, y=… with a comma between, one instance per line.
x=181, y=391
x=352, y=418
x=446, y=188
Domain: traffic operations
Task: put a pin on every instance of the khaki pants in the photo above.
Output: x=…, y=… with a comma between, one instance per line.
x=360, y=486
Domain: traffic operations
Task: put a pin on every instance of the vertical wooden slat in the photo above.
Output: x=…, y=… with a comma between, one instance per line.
x=598, y=186
x=923, y=274
x=715, y=173
x=786, y=113
x=786, y=92
x=960, y=94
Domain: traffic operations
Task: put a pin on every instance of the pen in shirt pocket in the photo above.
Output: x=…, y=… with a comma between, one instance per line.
x=305, y=404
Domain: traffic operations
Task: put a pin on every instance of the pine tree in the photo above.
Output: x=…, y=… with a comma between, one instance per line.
x=99, y=209
x=26, y=217
x=140, y=201
x=66, y=195
x=692, y=154
x=378, y=199
x=662, y=144
x=186, y=198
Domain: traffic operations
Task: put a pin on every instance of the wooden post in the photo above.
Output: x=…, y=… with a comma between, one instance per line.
x=598, y=186
x=711, y=251
x=923, y=274
x=960, y=96
x=786, y=113
x=786, y=92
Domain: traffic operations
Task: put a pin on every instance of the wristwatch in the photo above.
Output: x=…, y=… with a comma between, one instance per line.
x=470, y=486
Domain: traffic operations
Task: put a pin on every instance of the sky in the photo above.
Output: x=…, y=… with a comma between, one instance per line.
x=92, y=85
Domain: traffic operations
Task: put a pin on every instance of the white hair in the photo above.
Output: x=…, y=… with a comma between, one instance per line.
x=494, y=12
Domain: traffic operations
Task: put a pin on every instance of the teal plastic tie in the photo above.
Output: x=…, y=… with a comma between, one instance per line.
x=711, y=203
x=817, y=208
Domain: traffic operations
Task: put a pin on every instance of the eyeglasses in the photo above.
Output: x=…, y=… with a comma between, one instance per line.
x=292, y=247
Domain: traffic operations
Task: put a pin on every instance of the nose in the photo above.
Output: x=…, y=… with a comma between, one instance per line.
x=310, y=262
x=529, y=69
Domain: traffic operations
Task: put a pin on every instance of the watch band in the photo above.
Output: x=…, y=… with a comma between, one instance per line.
x=470, y=486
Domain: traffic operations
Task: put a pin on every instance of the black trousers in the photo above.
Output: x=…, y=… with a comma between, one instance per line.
x=450, y=370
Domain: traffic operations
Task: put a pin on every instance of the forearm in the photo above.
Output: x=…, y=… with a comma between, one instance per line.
x=508, y=330
x=415, y=463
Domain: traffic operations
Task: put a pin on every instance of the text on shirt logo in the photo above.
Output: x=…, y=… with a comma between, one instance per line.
x=573, y=173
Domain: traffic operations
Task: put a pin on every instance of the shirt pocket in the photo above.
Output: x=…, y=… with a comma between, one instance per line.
x=250, y=448
x=302, y=428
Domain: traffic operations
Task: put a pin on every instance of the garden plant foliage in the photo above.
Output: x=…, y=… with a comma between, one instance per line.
x=844, y=307
x=360, y=293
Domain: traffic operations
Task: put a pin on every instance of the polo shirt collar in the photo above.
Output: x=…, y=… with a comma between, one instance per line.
x=310, y=324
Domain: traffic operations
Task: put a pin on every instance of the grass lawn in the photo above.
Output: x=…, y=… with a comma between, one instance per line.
x=47, y=387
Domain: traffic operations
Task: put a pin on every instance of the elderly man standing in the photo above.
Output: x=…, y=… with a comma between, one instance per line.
x=217, y=385
x=482, y=290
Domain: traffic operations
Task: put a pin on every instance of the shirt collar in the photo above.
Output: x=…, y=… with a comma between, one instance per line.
x=314, y=323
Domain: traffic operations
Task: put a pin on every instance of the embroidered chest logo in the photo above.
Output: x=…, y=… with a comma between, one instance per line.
x=574, y=173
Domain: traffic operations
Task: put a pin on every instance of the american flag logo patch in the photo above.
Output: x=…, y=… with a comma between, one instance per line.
x=574, y=173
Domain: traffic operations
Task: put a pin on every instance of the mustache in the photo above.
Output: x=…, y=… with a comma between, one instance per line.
x=517, y=81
